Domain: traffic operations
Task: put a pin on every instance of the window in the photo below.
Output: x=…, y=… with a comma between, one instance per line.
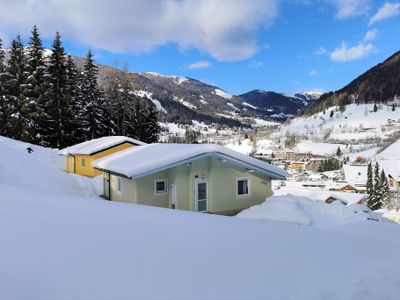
x=161, y=186
x=119, y=185
x=243, y=187
x=83, y=162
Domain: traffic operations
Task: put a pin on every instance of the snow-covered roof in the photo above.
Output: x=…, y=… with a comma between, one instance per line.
x=97, y=145
x=355, y=174
x=391, y=167
x=141, y=161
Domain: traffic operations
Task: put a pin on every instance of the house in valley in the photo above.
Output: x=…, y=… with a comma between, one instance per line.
x=79, y=157
x=195, y=177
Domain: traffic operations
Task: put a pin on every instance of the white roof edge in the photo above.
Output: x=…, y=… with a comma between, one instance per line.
x=92, y=146
x=280, y=174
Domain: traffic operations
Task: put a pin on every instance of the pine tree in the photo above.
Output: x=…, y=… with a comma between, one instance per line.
x=5, y=107
x=384, y=190
x=16, y=79
x=72, y=127
x=91, y=104
x=370, y=185
x=53, y=131
x=376, y=202
x=151, y=126
x=339, y=152
x=36, y=84
x=109, y=123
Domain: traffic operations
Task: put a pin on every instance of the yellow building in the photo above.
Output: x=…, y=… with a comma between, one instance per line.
x=79, y=157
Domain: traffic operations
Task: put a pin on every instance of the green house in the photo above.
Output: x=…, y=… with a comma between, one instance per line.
x=196, y=177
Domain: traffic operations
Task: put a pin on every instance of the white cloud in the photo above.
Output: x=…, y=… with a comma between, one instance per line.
x=345, y=53
x=371, y=35
x=321, y=51
x=387, y=11
x=225, y=29
x=350, y=8
x=256, y=64
x=313, y=73
x=199, y=65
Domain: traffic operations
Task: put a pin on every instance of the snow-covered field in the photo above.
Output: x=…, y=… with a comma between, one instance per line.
x=60, y=241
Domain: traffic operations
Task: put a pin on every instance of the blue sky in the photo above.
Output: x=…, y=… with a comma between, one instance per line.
x=239, y=45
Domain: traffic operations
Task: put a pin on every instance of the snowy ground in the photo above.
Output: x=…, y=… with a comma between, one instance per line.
x=60, y=241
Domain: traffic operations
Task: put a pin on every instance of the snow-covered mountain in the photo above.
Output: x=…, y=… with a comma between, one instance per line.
x=181, y=100
x=380, y=84
x=279, y=105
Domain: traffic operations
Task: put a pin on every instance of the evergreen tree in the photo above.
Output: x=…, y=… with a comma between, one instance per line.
x=376, y=202
x=137, y=120
x=72, y=125
x=91, y=104
x=36, y=87
x=53, y=129
x=370, y=184
x=151, y=126
x=384, y=190
x=339, y=152
x=15, y=83
x=5, y=107
x=109, y=124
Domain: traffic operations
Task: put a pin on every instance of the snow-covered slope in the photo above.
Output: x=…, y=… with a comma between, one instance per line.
x=355, y=117
x=40, y=171
x=65, y=243
x=391, y=152
x=357, y=129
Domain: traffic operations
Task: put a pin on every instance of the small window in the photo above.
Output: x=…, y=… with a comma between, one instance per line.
x=242, y=187
x=161, y=186
x=119, y=185
x=83, y=163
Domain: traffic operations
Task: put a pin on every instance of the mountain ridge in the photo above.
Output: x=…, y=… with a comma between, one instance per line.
x=379, y=84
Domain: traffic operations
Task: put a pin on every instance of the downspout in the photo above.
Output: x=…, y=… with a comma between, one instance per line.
x=109, y=186
x=73, y=156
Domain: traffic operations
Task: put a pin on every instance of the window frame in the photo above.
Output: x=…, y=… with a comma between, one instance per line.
x=163, y=192
x=119, y=185
x=83, y=163
x=243, y=196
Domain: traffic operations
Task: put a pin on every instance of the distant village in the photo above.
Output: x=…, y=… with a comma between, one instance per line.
x=334, y=173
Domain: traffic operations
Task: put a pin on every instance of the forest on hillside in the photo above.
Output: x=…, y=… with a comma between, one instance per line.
x=47, y=100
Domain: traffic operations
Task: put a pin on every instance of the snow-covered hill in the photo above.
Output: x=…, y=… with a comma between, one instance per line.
x=358, y=121
x=358, y=127
x=60, y=241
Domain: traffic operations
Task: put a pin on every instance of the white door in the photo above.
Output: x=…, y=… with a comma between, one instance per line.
x=201, y=195
x=172, y=196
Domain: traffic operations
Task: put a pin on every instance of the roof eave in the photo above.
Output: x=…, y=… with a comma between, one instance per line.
x=232, y=160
